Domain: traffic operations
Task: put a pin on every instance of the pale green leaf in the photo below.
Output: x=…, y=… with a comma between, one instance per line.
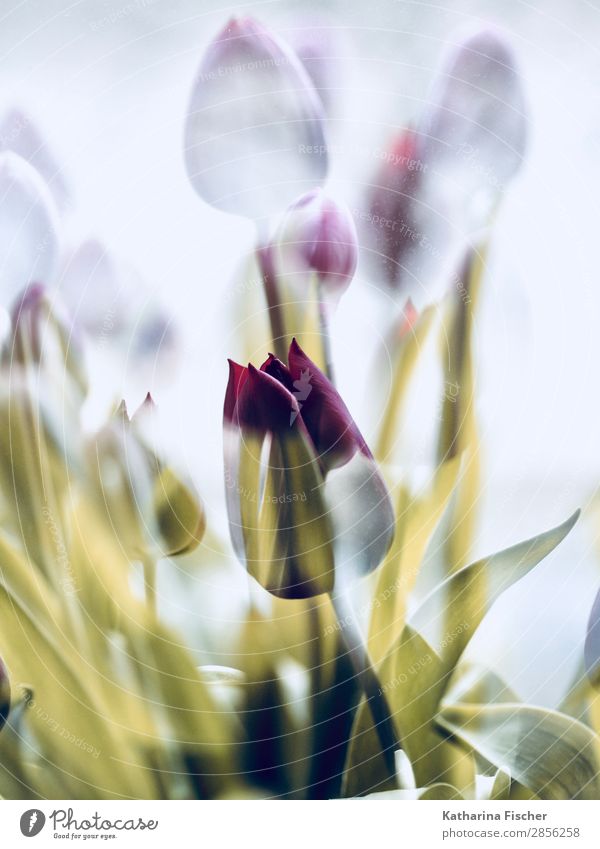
x=434, y=791
x=415, y=524
x=553, y=755
x=451, y=613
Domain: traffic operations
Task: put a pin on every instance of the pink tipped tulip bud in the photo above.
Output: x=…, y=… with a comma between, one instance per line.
x=318, y=235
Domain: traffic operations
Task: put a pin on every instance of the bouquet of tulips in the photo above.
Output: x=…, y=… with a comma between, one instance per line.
x=346, y=672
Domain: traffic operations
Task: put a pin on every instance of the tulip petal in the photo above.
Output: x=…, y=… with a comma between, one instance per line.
x=475, y=122
x=273, y=366
x=19, y=134
x=179, y=514
x=327, y=419
x=362, y=516
x=237, y=377
x=297, y=557
x=254, y=134
x=232, y=445
x=266, y=404
x=29, y=245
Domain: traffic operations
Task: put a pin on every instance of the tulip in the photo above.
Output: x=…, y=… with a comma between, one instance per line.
x=318, y=235
x=19, y=134
x=42, y=389
x=111, y=305
x=592, y=644
x=43, y=353
x=44, y=339
x=94, y=286
x=475, y=122
x=4, y=694
x=325, y=507
x=312, y=260
x=320, y=515
x=29, y=242
x=155, y=511
x=441, y=180
x=254, y=135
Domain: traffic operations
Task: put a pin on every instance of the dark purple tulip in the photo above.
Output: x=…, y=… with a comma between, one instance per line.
x=591, y=652
x=278, y=397
x=322, y=503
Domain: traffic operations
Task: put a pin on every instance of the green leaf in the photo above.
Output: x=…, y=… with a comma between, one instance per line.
x=71, y=717
x=553, y=755
x=434, y=791
x=405, y=360
x=501, y=786
x=475, y=684
x=451, y=613
x=415, y=524
x=413, y=681
x=416, y=672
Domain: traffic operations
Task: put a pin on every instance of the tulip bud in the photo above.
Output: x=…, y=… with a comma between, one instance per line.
x=254, y=133
x=29, y=245
x=179, y=514
x=151, y=508
x=43, y=337
x=4, y=694
x=318, y=235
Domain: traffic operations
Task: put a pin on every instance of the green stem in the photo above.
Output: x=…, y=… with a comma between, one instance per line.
x=368, y=681
x=149, y=564
x=325, y=336
x=265, y=265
